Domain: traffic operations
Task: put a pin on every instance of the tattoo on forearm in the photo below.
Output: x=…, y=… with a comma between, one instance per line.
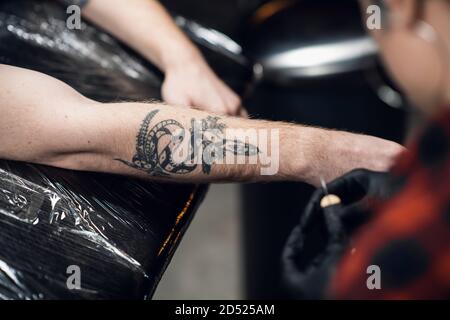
x=156, y=147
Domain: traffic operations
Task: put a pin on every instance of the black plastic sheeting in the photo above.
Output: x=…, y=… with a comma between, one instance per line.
x=34, y=36
x=120, y=232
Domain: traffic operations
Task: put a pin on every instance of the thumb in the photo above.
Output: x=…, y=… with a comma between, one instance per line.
x=177, y=100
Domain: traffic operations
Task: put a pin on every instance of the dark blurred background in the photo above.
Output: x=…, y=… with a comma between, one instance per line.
x=227, y=16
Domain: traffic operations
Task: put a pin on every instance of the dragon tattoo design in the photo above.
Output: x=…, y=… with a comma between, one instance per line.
x=155, y=147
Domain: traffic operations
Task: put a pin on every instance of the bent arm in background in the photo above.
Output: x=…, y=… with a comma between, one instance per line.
x=146, y=26
x=42, y=120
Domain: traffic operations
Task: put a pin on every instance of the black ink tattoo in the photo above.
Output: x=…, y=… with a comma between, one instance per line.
x=155, y=147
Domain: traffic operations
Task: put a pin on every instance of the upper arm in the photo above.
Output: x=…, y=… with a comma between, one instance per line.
x=18, y=85
x=34, y=109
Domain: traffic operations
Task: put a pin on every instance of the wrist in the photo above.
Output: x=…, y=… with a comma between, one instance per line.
x=182, y=60
x=301, y=152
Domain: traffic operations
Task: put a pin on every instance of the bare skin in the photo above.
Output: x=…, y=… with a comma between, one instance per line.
x=47, y=122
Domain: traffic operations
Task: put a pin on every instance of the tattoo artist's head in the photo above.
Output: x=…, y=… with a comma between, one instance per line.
x=415, y=44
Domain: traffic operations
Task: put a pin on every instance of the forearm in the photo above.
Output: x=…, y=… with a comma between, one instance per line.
x=167, y=143
x=161, y=142
x=146, y=27
x=73, y=132
x=45, y=121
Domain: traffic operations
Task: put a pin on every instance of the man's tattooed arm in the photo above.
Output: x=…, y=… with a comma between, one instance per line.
x=167, y=148
x=73, y=132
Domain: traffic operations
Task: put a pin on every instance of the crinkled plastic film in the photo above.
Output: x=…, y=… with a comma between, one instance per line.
x=35, y=36
x=121, y=233
x=55, y=204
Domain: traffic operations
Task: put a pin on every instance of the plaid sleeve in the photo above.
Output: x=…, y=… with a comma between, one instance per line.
x=409, y=243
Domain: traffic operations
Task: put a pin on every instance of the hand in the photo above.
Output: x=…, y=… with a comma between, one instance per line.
x=316, y=245
x=195, y=85
x=357, y=191
x=341, y=152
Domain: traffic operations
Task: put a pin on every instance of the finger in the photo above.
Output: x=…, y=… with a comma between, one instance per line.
x=310, y=215
x=233, y=102
x=233, y=106
x=358, y=184
x=212, y=104
x=354, y=216
x=176, y=99
x=243, y=112
x=212, y=110
x=354, y=212
x=351, y=186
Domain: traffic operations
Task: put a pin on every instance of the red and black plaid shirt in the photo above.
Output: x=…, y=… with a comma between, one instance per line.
x=409, y=237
